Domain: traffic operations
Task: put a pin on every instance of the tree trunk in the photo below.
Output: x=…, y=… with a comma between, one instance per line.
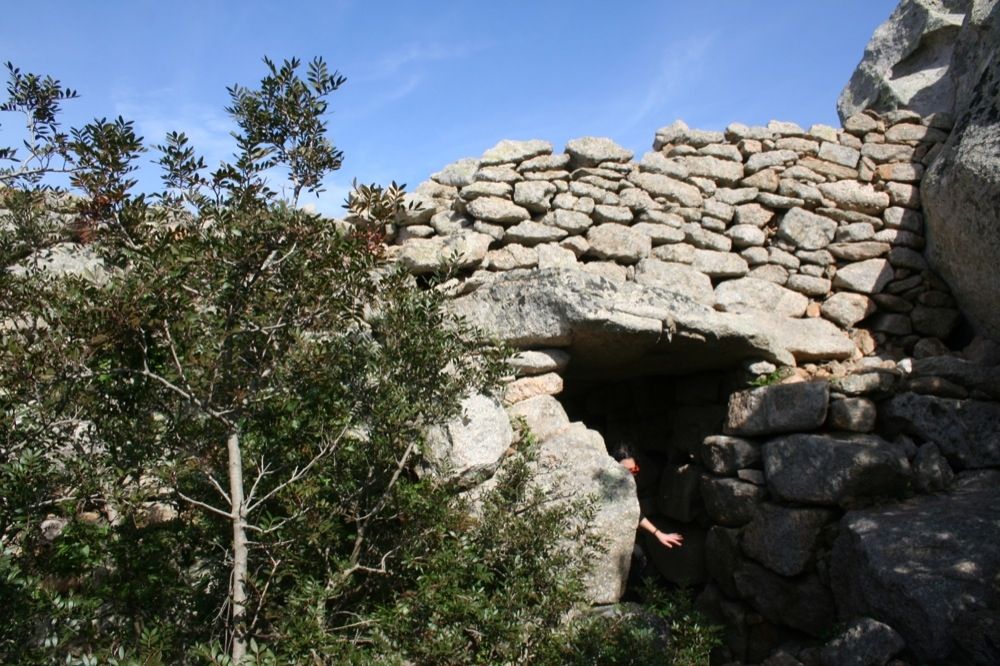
x=239, y=575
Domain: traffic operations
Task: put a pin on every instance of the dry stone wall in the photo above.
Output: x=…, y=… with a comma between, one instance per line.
x=715, y=258
x=805, y=223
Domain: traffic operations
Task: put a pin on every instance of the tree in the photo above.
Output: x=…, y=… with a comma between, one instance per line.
x=245, y=362
x=212, y=421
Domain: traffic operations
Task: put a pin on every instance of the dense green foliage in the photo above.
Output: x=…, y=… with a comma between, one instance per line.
x=210, y=436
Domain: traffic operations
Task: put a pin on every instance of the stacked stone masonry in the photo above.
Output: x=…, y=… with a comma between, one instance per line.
x=822, y=222
x=801, y=501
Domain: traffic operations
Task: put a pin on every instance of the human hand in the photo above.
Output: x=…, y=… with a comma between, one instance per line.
x=669, y=540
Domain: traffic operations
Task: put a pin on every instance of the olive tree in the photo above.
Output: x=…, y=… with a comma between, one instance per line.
x=239, y=361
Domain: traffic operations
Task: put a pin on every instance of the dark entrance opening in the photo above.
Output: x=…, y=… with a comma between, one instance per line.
x=664, y=419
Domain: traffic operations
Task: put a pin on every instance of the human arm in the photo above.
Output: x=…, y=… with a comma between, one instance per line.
x=668, y=539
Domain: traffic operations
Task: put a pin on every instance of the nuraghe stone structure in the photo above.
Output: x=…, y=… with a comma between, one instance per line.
x=861, y=487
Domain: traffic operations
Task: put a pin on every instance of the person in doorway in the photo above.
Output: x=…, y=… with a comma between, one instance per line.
x=626, y=458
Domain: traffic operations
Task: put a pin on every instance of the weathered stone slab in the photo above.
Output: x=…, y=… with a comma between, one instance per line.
x=928, y=568
x=822, y=469
x=779, y=408
x=966, y=431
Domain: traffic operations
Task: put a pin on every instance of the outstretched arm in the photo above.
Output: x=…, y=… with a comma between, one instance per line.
x=669, y=540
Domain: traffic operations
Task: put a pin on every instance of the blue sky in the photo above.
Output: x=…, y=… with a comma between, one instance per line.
x=429, y=83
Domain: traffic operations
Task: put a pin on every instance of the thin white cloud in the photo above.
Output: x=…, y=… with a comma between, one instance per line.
x=156, y=113
x=410, y=56
x=682, y=63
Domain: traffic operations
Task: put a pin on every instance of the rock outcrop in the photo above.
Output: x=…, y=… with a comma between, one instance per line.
x=906, y=63
x=941, y=59
x=961, y=193
x=930, y=569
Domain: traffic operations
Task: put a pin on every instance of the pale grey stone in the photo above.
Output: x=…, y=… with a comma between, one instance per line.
x=904, y=172
x=591, y=151
x=544, y=415
x=532, y=233
x=828, y=169
x=723, y=171
x=659, y=163
x=904, y=219
x=769, y=272
x=426, y=255
x=618, y=243
x=613, y=214
x=535, y=195
x=414, y=231
x=765, y=181
x=514, y=152
x=784, y=128
x=510, y=257
x=575, y=463
x=557, y=256
x=545, y=163
x=799, y=145
x=740, y=131
x=866, y=277
x=852, y=195
x=458, y=174
x=679, y=133
x=571, y=221
x=753, y=214
x=746, y=235
x=469, y=448
x=701, y=238
x=663, y=186
x=723, y=151
x=882, y=153
x=750, y=294
x=659, y=234
x=417, y=209
x=449, y=222
x=814, y=286
x=661, y=217
x=637, y=200
x=497, y=210
x=497, y=174
x=485, y=189
x=680, y=253
x=781, y=258
x=736, y=197
x=859, y=231
x=820, y=258
x=678, y=278
x=838, y=154
x=779, y=201
x=905, y=132
x=808, y=193
x=859, y=250
x=599, y=195
x=770, y=158
x=861, y=124
x=903, y=194
x=719, y=264
x=806, y=230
